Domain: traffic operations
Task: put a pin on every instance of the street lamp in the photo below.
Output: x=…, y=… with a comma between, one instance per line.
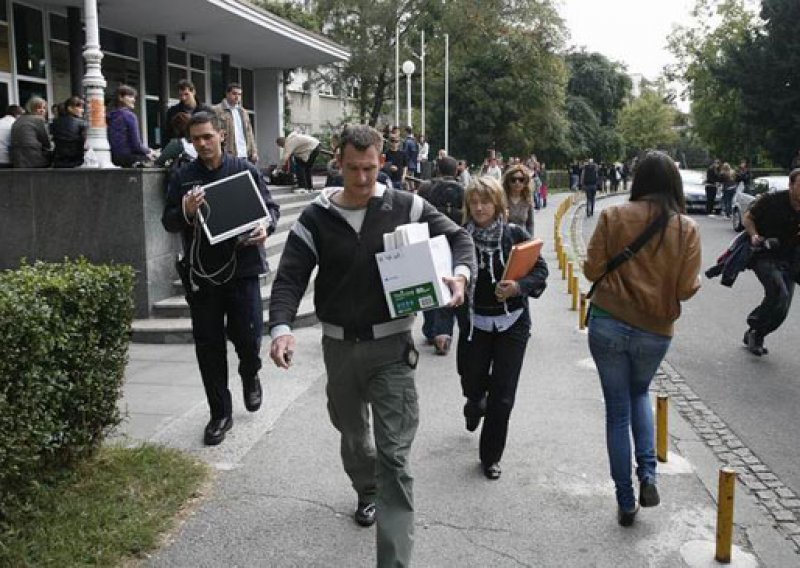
x=408, y=69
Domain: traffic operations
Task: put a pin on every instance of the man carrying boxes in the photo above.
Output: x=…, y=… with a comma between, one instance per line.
x=369, y=357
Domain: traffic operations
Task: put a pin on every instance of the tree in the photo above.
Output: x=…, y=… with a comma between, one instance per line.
x=704, y=52
x=648, y=122
x=604, y=84
x=765, y=66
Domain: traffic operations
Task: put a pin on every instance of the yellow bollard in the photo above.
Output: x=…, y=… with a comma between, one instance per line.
x=563, y=264
x=727, y=488
x=570, y=272
x=582, y=312
x=662, y=420
x=575, y=291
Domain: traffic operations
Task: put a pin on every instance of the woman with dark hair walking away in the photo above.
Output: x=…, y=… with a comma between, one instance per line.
x=634, y=305
x=495, y=327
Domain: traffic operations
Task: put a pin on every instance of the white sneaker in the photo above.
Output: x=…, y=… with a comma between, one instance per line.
x=300, y=190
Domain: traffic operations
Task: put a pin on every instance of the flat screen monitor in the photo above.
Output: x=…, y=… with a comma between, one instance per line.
x=233, y=206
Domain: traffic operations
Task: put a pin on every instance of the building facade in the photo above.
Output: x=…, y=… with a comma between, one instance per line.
x=151, y=45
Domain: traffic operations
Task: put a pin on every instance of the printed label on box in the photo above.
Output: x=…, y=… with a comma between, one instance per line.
x=414, y=299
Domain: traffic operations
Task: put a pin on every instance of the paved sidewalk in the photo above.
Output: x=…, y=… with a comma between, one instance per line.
x=282, y=498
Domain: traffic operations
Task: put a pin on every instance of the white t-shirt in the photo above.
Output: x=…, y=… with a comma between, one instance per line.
x=5, y=137
x=238, y=127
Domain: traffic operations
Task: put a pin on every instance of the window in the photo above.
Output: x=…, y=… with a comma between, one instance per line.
x=28, y=89
x=5, y=53
x=121, y=71
x=176, y=56
x=58, y=27
x=59, y=65
x=150, y=68
x=248, y=90
x=217, y=86
x=175, y=75
x=29, y=40
x=120, y=44
x=153, y=113
x=3, y=95
x=199, y=80
x=198, y=62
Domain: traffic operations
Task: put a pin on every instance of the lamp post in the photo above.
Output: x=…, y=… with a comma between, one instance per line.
x=408, y=69
x=94, y=83
x=447, y=94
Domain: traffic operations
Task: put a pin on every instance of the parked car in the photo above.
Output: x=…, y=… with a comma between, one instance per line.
x=746, y=195
x=694, y=191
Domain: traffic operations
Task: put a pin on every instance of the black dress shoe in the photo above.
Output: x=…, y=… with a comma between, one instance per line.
x=473, y=411
x=252, y=393
x=215, y=431
x=626, y=518
x=492, y=471
x=365, y=514
x=755, y=343
x=648, y=494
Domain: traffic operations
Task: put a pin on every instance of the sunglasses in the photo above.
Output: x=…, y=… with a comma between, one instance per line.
x=517, y=180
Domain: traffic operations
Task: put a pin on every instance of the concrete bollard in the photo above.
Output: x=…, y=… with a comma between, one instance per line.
x=582, y=312
x=727, y=489
x=662, y=421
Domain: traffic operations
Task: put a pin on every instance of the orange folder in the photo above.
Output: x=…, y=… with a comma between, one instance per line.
x=522, y=259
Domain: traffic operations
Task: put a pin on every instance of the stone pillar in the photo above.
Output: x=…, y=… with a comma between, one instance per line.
x=94, y=85
x=269, y=113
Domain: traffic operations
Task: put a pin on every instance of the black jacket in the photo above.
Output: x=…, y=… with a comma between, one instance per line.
x=69, y=135
x=249, y=261
x=447, y=195
x=734, y=260
x=347, y=289
x=534, y=284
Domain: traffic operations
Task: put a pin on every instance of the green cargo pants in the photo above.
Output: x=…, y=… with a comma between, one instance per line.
x=376, y=373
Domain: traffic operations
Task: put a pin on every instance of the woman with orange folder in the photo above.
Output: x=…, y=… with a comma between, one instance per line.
x=495, y=324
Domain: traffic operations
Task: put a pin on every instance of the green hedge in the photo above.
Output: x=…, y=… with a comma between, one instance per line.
x=64, y=331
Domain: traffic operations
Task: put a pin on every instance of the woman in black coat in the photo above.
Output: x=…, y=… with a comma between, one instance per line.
x=496, y=325
x=69, y=135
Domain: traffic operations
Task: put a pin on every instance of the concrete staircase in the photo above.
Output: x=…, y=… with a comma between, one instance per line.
x=169, y=320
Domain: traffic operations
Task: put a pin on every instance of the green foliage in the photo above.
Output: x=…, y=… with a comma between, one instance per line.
x=648, y=122
x=64, y=331
x=602, y=83
x=108, y=508
x=707, y=63
x=291, y=12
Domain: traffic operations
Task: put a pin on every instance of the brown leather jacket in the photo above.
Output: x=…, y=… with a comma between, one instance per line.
x=646, y=291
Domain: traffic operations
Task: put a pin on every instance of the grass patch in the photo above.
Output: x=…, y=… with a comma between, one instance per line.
x=112, y=506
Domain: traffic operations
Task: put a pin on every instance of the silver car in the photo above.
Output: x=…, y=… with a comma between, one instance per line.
x=694, y=191
x=746, y=195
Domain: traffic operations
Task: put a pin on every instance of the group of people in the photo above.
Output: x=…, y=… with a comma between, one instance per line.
x=27, y=140
x=722, y=179
x=591, y=177
x=644, y=260
x=495, y=166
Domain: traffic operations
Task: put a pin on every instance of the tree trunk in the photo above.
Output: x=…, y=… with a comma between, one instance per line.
x=380, y=95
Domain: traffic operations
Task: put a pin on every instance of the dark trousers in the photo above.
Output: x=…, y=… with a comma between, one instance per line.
x=305, y=179
x=230, y=311
x=776, y=278
x=489, y=366
x=438, y=322
x=591, y=194
x=711, y=197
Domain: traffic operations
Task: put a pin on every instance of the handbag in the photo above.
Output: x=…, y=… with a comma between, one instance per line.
x=628, y=253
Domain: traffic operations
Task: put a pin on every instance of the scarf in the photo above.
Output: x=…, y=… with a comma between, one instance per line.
x=487, y=243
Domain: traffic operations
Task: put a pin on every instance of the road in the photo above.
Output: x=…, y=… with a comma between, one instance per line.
x=758, y=397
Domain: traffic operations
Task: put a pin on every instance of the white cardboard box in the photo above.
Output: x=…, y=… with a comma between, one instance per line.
x=412, y=276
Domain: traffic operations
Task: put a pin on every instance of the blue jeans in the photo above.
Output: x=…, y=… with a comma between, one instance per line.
x=727, y=200
x=438, y=322
x=591, y=193
x=627, y=358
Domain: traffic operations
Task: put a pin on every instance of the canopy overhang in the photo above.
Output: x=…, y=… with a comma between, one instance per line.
x=250, y=36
